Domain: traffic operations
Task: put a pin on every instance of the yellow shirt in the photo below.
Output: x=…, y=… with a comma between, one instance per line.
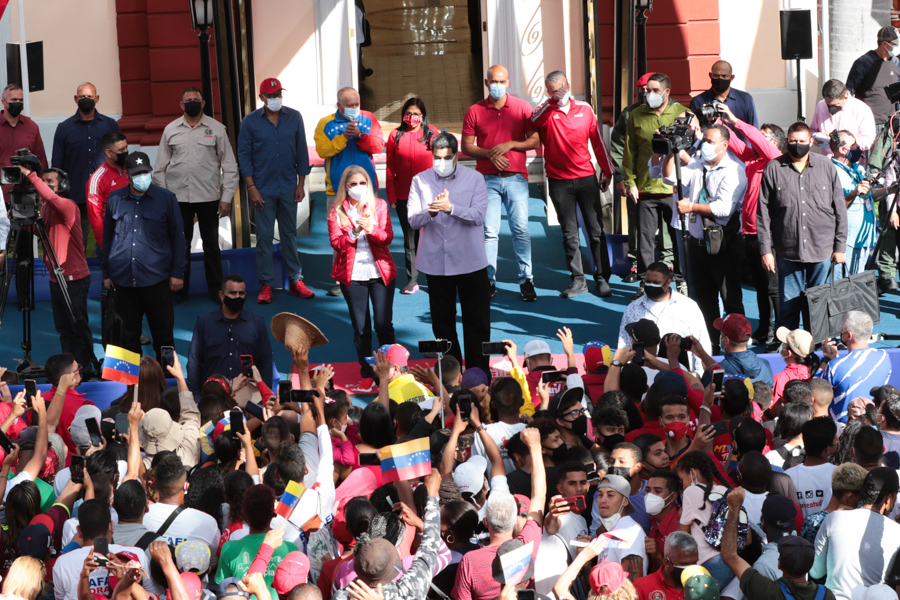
x=406, y=389
x=528, y=406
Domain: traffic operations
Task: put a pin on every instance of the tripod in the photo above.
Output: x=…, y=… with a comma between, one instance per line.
x=22, y=255
x=685, y=234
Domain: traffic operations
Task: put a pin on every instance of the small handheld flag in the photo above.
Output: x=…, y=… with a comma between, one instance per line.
x=121, y=365
x=515, y=563
x=289, y=499
x=408, y=460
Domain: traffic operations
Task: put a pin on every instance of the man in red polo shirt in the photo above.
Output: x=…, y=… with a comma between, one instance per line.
x=665, y=583
x=566, y=127
x=494, y=133
x=54, y=369
x=16, y=130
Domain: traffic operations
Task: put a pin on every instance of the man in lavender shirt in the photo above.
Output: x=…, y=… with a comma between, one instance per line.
x=447, y=205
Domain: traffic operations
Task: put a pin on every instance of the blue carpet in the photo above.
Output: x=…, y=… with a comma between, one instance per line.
x=590, y=317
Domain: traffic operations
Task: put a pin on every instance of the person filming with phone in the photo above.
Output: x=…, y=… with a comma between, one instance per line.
x=223, y=335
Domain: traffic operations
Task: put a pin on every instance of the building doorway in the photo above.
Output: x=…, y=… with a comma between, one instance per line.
x=422, y=48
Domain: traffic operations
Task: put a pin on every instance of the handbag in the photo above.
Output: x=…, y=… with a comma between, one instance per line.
x=714, y=233
x=825, y=306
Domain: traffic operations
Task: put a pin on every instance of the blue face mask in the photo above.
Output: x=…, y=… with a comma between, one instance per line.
x=497, y=90
x=351, y=113
x=142, y=182
x=854, y=155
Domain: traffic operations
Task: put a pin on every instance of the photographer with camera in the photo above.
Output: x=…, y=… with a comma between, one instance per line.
x=861, y=227
x=762, y=145
x=714, y=184
x=739, y=103
x=801, y=221
x=61, y=218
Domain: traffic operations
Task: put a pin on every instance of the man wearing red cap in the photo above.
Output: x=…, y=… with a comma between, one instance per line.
x=734, y=336
x=274, y=162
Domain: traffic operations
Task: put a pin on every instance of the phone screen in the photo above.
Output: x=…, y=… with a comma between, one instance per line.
x=30, y=388
x=368, y=459
x=718, y=378
x=553, y=376
x=284, y=392
x=5, y=443
x=76, y=468
x=247, y=366
x=465, y=405
x=101, y=549
x=167, y=353
x=493, y=348
x=237, y=420
x=254, y=409
x=93, y=428
x=303, y=395
x=121, y=423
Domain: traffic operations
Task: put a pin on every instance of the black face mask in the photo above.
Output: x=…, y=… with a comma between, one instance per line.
x=621, y=471
x=655, y=292
x=558, y=455
x=16, y=108
x=642, y=97
x=720, y=85
x=579, y=425
x=235, y=305
x=676, y=571
x=798, y=150
x=835, y=108
x=611, y=441
x=854, y=155
x=120, y=158
x=193, y=108
x=86, y=105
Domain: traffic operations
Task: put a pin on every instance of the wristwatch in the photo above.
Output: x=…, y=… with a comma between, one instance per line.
x=481, y=428
x=616, y=363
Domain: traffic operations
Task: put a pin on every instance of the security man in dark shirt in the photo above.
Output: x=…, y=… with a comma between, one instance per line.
x=144, y=255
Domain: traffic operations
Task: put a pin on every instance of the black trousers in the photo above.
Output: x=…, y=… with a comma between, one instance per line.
x=655, y=214
x=715, y=276
x=358, y=295
x=410, y=241
x=208, y=219
x=154, y=301
x=584, y=193
x=766, y=285
x=474, y=290
x=74, y=336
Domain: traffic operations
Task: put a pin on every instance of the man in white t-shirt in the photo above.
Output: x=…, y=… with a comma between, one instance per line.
x=94, y=524
x=507, y=400
x=190, y=524
x=565, y=519
x=812, y=479
x=627, y=544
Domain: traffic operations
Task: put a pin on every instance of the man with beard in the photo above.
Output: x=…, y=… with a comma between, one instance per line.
x=222, y=335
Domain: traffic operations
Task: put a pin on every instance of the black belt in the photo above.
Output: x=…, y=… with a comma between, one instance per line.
x=506, y=174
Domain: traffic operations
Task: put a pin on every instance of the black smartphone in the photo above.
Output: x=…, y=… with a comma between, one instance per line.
x=525, y=595
x=30, y=390
x=464, y=400
x=121, y=424
x=10, y=377
x=719, y=428
x=638, y=348
x=369, y=459
x=76, y=468
x=167, y=353
x=303, y=395
x=247, y=366
x=237, y=420
x=553, y=376
x=284, y=392
x=717, y=378
x=5, y=443
x=254, y=409
x=493, y=348
x=101, y=549
x=93, y=428
x=687, y=344
x=434, y=346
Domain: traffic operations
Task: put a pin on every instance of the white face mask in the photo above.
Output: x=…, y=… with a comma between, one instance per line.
x=610, y=522
x=351, y=113
x=895, y=50
x=654, y=100
x=444, y=167
x=344, y=428
x=654, y=504
x=708, y=151
x=273, y=104
x=357, y=192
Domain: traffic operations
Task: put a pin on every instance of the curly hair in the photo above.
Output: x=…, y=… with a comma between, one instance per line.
x=236, y=483
x=259, y=506
x=707, y=469
x=205, y=492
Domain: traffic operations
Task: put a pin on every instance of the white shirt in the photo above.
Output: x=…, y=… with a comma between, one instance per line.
x=69, y=527
x=813, y=486
x=753, y=505
x=67, y=573
x=617, y=550
x=500, y=432
x=191, y=524
x=364, y=267
x=679, y=314
x=571, y=525
x=775, y=458
x=4, y=225
x=549, y=564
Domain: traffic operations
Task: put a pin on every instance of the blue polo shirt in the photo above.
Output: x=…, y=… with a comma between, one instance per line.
x=273, y=156
x=143, y=238
x=77, y=150
x=740, y=103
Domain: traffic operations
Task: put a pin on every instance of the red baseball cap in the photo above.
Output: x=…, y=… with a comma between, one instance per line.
x=293, y=570
x=523, y=503
x=395, y=354
x=735, y=326
x=270, y=86
x=644, y=80
x=607, y=577
x=45, y=520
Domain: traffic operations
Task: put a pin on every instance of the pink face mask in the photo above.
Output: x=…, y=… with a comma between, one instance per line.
x=412, y=120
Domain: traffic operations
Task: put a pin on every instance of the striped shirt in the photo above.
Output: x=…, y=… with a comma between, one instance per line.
x=854, y=375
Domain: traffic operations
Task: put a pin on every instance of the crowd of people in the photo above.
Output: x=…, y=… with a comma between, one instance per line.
x=654, y=472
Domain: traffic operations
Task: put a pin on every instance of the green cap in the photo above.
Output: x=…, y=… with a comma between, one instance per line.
x=701, y=587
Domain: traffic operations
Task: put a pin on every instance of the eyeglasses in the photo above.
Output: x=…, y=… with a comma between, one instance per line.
x=575, y=413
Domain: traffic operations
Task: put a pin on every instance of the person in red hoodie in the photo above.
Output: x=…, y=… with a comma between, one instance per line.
x=360, y=230
x=408, y=151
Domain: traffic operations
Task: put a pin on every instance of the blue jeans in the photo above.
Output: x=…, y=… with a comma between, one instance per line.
x=793, y=278
x=513, y=193
x=719, y=571
x=285, y=209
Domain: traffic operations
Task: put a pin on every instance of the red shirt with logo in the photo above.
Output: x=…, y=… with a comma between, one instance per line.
x=654, y=587
x=566, y=135
x=102, y=182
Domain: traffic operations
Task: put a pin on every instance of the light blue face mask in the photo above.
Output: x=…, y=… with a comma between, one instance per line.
x=351, y=113
x=142, y=182
x=497, y=90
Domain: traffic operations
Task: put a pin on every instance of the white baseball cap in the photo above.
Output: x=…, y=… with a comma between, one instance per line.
x=469, y=476
x=535, y=347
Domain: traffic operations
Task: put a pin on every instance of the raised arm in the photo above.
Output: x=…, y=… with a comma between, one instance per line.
x=532, y=438
x=729, y=537
x=135, y=464
x=448, y=457
x=34, y=466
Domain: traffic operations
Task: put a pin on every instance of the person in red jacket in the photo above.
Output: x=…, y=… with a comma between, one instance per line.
x=360, y=230
x=408, y=153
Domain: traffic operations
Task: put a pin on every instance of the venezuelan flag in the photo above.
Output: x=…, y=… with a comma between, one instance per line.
x=408, y=460
x=289, y=499
x=121, y=365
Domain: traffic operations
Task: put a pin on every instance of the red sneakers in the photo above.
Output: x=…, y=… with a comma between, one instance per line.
x=265, y=295
x=298, y=288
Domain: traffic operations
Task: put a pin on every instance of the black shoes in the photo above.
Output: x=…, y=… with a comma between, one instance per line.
x=335, y=291
x=887, y=285
x=602, y=287
x=493, y=290
x=578, y=286
x=632, y=277
x=527, y=290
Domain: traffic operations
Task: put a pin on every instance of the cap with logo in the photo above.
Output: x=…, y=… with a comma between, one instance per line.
x=138, y=162
x=597, y=357
x=293, y=571
x=469, y=476
x=779, y=512
x=735, y=326
x=270, y=86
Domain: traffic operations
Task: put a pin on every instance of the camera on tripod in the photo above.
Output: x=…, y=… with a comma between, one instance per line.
x=673, y=138
x=712, y=111
x=13, y=175
x=23, y=198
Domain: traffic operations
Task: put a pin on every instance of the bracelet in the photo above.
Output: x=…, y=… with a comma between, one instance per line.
x=250, y=187
x=482, y=428
x=707, y=409
x=4, y=476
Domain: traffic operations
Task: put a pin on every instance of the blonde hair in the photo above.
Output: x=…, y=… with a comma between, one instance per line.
x=626, y=591
x=25, y=578
x=368, y=208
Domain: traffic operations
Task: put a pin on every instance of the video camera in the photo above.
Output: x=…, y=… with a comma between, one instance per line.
x=23, y=198
x=712, y=111
x=673, y=138
x=12, y=175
